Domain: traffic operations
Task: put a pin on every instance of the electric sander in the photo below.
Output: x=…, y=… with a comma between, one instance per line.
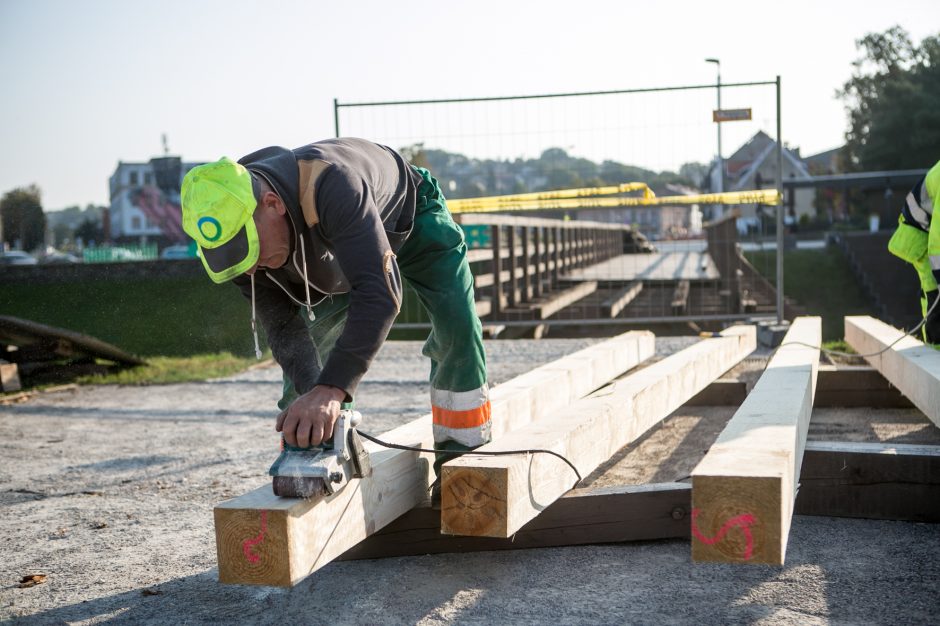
x=319, y=472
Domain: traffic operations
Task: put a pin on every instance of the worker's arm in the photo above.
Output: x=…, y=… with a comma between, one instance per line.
x=932, y=195
x=309, y=419
x=351, y=222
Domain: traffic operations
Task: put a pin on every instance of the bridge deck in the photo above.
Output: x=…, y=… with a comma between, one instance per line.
x=676, y=265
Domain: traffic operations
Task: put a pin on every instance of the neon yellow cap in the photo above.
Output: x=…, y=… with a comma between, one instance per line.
x=218, y=205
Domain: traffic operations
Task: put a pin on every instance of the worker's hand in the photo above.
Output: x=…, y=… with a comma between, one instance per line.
x=309, y=420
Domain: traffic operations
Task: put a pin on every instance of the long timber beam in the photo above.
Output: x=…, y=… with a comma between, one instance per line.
x=744, y=488
x=494, y=496
x=870, y=480
x=265, y=540
x=907, y=363
x=582, y=516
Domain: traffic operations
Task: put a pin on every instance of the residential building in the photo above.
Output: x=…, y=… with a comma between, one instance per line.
x=754, y=166
x=145, y=200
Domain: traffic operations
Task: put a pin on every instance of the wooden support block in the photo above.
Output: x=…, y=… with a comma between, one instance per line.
x=908, y=364
x=856, y=386
x=743, y=490
x=870, y=480
x=265, y=540
x=494, y=496
x=680, y=298
x=582, y=516
x=555, y=303
x=9, y=377
x=615, y=304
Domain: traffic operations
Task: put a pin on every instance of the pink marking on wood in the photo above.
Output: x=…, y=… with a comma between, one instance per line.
x=249, y=544
x=744, y=522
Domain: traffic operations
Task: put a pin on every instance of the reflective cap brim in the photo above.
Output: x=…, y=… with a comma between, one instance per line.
x=236, y=256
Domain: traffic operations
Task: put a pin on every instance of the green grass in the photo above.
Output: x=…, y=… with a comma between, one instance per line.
x=162, y=370
x=821, y=281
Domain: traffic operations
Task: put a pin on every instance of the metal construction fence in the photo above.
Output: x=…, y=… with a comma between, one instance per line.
x=606, y=251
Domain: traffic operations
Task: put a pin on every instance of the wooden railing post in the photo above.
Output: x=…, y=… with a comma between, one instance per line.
x=513, y=284
x=497, y=304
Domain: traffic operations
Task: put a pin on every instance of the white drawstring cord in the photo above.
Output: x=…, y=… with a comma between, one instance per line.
x=303, y=258
x=254, y=326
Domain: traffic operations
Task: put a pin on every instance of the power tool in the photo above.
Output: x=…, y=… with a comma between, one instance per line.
x=319, y=472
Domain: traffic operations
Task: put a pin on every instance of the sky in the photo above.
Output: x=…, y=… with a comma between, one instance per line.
x=89, y=84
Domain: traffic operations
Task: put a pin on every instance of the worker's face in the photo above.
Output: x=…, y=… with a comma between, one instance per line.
x=273, y=232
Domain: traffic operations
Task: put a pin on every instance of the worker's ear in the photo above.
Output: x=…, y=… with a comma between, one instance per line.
x=272, y=201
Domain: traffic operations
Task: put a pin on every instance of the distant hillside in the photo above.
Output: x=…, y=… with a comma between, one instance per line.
x=464, y=177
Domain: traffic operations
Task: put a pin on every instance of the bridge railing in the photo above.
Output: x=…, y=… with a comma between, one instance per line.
x=527, y=257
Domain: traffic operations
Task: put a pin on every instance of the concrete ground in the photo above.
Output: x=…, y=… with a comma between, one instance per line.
x=108, y=491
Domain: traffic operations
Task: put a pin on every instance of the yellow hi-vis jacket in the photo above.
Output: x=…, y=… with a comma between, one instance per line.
x=917, y=239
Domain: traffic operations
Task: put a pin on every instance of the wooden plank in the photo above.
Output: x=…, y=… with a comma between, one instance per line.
x=556, y=302
x=909, y=364
x=743, y=490
x=582, y=516
x=494, y=496
x=680, y=298
x=871, y=481
x=611, y=307
x=59, y=342
x=265, y=540
x=856, y=386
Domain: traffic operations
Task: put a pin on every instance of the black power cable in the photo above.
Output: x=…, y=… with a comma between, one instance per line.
x=471, y=452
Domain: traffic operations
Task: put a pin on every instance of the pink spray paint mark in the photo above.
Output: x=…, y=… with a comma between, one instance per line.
x=744, y=522
x=249, y=544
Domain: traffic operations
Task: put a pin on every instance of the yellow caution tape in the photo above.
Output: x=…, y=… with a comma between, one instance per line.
x=572, y=199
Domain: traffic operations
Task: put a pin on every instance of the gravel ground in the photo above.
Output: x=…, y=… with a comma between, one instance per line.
x=108, y=491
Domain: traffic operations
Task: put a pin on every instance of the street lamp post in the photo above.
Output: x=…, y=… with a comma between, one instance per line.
x=721, y=167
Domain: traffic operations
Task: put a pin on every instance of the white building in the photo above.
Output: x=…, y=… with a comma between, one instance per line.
x=145, y=199
x=754, y=166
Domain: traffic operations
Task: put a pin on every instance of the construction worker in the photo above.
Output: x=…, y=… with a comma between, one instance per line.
x=318, y=239
x=917, y=241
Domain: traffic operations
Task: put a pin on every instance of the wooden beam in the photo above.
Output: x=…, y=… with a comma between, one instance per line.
x=743, y=490
x=680, y=298
x=265, y=540
x=909, y=364
x=556, y=302
x=582, y=516
x=870, y=480
x=856, y=386
x=612, y=306
x=494, y=496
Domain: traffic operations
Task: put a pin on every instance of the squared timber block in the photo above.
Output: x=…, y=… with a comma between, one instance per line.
x=495, y=496
x=9, y=377
x=744, y=488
